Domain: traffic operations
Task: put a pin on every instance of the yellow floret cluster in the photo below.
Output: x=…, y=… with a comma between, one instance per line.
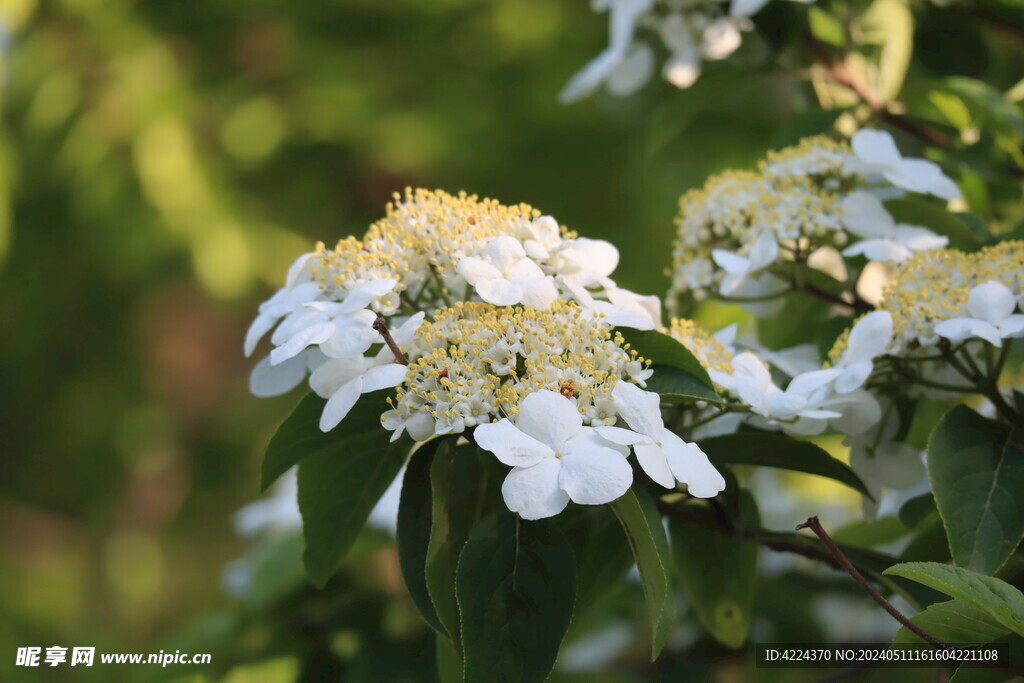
x=934, y=286
x=711, y=353
x=795, y=198
x=475, y=362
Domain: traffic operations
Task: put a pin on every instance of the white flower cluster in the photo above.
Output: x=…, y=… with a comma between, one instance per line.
x=948, y=294
x=430, y=250
x=736, y=234
x=690, y=30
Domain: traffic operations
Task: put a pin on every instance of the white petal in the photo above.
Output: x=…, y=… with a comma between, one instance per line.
x=353, y=335
x=654, y=462
x=721, y=38
x=917, y=238
x=731, y=263
x=591, y=76
x=259, y=327
x=623, y=437
x=691, y=466
x=875, y=147
x=764, y=252
x=1012, y=326
x=992, y=302
x=746, y=8
x=959, y=329
x=854, y=376
x=682, y=69
x=407, y=331
x=550, y=418
x=869, y=337
x=363, y=294
x=598, y=257
x=633, y=72
x=273, y=380
x=298, y=271
x=806, y=383
x=533, y=492
x=864, y=215
x=538, y=292
x=510, y=445
x=641, y=409
x=860, y=412
x=311, y=335
x=475, y=270
x=340, y=403
x=499, y=292
x=504, y=252
x=420, y=426
x=383, y=377
x=594, y=476
x=885, y=251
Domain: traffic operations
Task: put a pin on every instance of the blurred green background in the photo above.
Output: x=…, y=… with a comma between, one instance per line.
x=161, y=164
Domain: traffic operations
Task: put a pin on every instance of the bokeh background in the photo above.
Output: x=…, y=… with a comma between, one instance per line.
x=161, y=164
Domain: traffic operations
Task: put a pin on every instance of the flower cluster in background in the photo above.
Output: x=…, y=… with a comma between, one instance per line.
x=743, y=235
x=690, y=31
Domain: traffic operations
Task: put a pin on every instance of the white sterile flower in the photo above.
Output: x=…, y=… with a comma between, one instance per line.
x=991, y=318
x=276, y=513
x=297, y=291
x=554, y=458
x=343, y=380
x=505, y=275
x=585, y=261
x=664, y=456
x=342, y=330
x=877, y=153
x=738, y=269
x=884, y=239
x=751, y=381
x=540, y=237
x=746, y=8
x=721, y=38
x=682, y=69
x=268, y=380
x=622, y=19
x=624, y=308
x=868, y=339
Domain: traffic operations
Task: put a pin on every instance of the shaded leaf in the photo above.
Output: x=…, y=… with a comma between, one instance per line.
x=641, y=521
x=998, y=599
x=718, y=573
x=661, y=349
x=516, y=588
x=775, y=450
x=339, y=486
x=954, y=621
x=413, y=532
x=977, y=474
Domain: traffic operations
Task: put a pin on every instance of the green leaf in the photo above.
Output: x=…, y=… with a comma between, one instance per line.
x=992, y=104
x=889, y=24
x=516, y=588
x=916, y=510
x=338, y=487
x=775, y=450
x=679, y=386
x=977, y=475
x=995, y=597
x=955, y=621
x=661, y=349
x=919, y=211
x=641, y=520
x=718, y=573
x=413, y=533
x=870, y=533
x=449, y=664
x=825, y=27
x=461, y=493
x=603, y=557
x=298, y=436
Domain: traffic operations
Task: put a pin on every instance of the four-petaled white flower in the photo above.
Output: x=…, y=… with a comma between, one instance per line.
x=877, y=153
x=297, y=291
x=623, y=308
x=990, y=306
x=342, y=380
x=662, y=455
x=554, y=458
x=738, y=269
x=751, y=381
x=868, y=339
x=505, y=276
x=623, y=70
x=341, y=330
x=884, y=239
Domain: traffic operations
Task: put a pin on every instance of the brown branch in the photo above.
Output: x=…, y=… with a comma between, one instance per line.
x=840, y=74
x=814, y=525
x=381, y=326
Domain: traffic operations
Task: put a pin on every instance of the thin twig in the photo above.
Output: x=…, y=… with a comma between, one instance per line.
x=381, y=326
x=814, y=525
